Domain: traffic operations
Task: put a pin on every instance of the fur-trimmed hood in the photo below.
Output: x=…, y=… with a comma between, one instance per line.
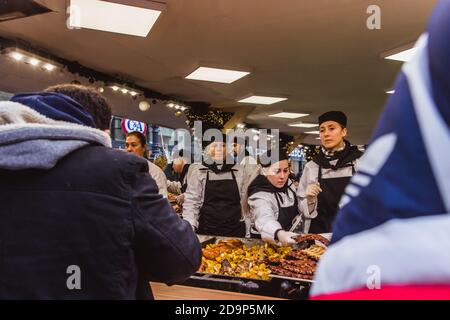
x=29, y=140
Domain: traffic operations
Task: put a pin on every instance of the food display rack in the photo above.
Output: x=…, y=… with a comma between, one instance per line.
x=276, y=286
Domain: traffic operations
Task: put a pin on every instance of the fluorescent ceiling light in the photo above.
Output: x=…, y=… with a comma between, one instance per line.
x=313, y=132
x=303, y=125
x=317, y=138
x=216, y=75
x=262, y=100
x=390, y=91
x=113, y=17
x=404, y=55
x=288, y=115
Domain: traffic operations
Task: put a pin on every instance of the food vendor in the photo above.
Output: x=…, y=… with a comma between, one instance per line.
x=136, y=143
x=325, y=177
x=180, y=166
x=212, y=202
x=272, y=199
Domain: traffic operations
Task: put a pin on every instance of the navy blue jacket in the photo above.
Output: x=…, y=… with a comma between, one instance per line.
x=97, y=209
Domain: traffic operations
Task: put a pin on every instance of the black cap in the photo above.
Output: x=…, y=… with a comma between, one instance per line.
x=265, y=160
x=337, y=116
x=206, y=143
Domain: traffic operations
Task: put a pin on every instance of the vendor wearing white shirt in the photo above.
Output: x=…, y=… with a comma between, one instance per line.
x=273, y=201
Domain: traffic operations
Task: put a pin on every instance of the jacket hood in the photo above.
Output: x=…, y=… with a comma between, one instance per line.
x=260, y=183
x=56, y=106
x=30, y=140
x=344, y=157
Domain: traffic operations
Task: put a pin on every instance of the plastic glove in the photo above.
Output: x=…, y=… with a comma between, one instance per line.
x=286, y=237
x=312, y=191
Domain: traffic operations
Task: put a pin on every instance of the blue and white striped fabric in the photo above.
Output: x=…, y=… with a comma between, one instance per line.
x=404, y=177
x=405, y=172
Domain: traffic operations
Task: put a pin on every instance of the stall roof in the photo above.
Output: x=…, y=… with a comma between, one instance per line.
x=319, y=54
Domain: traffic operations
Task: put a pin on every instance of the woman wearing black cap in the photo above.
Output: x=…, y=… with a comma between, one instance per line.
x=272, y=199
x=324, y=179
x=212, y=202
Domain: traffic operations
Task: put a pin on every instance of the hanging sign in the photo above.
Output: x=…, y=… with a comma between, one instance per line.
x=133, y=125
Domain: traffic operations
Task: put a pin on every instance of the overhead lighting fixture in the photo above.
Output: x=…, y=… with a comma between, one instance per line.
x=216, y=75
x=115, y=17
x=33, y=61
x=288, y=115
x=144, y=105
x=262, y=100
x=132, y=92
x=30, y=58
x=303, y=125
x=390, y=91
x=17, y=56
x=49, y=67
x=317, y=138
x=312, y=132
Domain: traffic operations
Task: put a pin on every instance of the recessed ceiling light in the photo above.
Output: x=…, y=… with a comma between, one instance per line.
x=288, y=115
x=216, y=75
x=313, y=132
x=262, y=100
x=404, y=55
x=390, y=91
x=303, y=125
x=114, y=17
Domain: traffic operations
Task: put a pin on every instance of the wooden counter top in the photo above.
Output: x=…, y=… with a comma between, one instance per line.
x=163, y=292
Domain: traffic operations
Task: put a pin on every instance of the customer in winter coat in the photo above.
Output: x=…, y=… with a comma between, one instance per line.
x=325, y=177
x=80, y=220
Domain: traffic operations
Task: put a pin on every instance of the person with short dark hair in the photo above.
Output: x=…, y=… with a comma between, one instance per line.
x=80, y=220
x=324, y=178
x=91, y=100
